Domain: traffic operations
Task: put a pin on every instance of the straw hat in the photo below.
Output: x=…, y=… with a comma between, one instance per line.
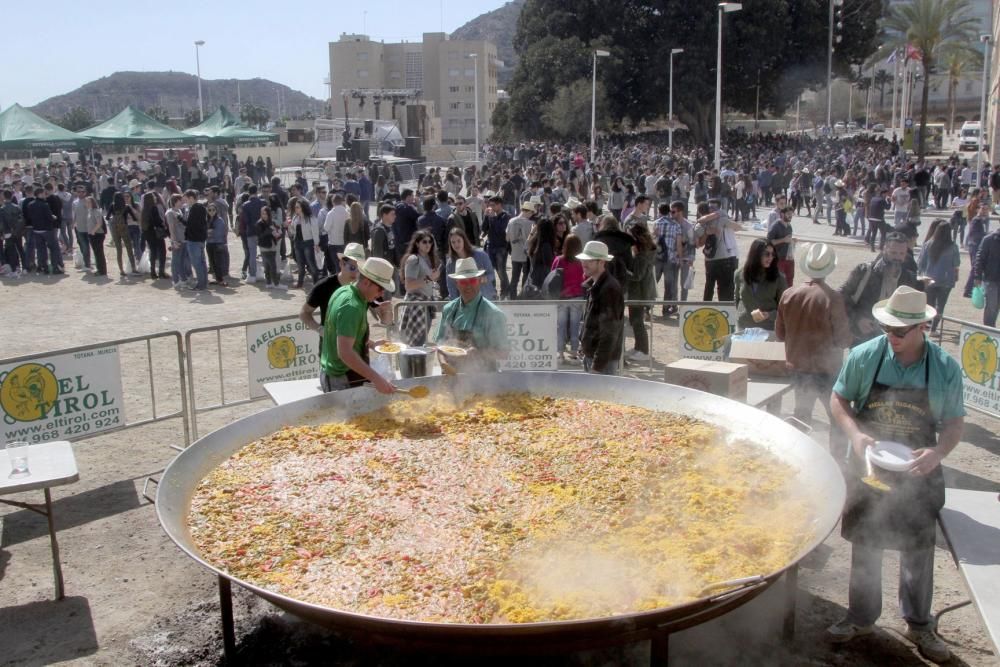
x=379, y=271
x=595, y=250
x=904, y=308
x=818, y=260
x=353, y=251
x=529, y=205
x=134, y=183
x=466, y=268
x=838, y=183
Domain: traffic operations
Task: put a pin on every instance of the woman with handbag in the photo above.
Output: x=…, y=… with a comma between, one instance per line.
x=96, y=230
x=119, y=215
x=154, y=230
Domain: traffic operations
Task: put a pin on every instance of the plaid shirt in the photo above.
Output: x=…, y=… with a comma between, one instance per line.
x=666, y=232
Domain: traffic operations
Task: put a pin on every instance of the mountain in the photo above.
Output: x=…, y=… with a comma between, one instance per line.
x=499, y=27
x=177, y=93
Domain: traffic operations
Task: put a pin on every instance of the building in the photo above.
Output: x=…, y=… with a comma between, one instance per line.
x=439, y=74
x=992, y=107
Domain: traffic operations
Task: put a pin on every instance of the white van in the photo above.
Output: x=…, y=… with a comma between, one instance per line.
x=968, y=138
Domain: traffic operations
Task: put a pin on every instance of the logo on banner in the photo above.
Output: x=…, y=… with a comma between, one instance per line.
x=979, y=357
x=281, y=352
x=705, y=329
x=28, y=392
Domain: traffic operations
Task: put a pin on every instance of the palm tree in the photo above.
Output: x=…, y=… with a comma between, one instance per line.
x=932, y=27
x=956, y=60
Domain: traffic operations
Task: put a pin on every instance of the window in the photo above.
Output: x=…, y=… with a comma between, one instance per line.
x=454, y=122
x=414, y=70
x=362, y=74
x=395, y=75
x=452, y=89
x=469, y=105
x=454, y=105
x=469, y=89
x=453, y=71
x=470, y=122
x=362, y=55
x=470, y=72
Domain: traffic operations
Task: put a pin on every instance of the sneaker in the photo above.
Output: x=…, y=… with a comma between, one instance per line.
x=251, y=280
x=281, y=287
x=929, y=645
x=639, y=356
x=572, y=360
x=845, y=631
x=269, y=286
x=243, y=275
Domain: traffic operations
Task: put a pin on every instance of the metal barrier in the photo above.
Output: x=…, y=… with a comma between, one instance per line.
x=980, y=367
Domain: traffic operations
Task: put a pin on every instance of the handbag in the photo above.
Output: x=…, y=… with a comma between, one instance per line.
x=978, y=297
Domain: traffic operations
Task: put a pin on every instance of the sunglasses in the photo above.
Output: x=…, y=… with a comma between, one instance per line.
x=350, y=266
x=467, y=281
x=898, y=332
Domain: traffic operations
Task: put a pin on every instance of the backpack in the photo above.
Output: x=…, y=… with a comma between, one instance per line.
x=553, y=284
x=827, y=188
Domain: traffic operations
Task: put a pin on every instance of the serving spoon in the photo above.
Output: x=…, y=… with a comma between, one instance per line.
x=419, y=391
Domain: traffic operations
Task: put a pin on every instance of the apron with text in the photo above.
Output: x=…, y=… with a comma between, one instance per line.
x=475, y=361
x=904, y=517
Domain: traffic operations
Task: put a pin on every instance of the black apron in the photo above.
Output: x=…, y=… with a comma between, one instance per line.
x=904, y=517
x=475, y=361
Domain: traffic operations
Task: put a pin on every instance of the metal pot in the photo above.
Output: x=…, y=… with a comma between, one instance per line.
x=413, y=363
x=816, y=474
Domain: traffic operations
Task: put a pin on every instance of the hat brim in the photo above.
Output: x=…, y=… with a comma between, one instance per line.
x=584, y=257
x=388, y=285
x=880, y=311
x=341, y=255
x=466, y=276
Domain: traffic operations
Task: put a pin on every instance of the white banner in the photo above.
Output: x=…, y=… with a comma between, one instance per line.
x=280, y=351
x=980, y=379
x=531, y=331
x=704, y=330
x=62, y=397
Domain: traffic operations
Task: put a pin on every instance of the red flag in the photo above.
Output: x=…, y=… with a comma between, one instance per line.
x=913, y=53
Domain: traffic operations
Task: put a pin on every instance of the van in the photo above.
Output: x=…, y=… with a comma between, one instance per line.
x=968, y=138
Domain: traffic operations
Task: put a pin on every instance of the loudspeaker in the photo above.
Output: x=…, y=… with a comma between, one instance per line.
x=343, y=155
x=369, y=127
x=362, y=148
x=413, y=147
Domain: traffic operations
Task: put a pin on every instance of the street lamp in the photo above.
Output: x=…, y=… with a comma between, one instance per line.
x=475, y=83
x=724, y=8
x=197, y=60
x=670, y=107
x=599, y=53
x=829, y=66
x=987, y=42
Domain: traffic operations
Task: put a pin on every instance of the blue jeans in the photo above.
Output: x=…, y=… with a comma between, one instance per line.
x=180, y=265
x=251, y=256
x=610, y=369
x=83, y=240
x=47, y=251
x=499, y=258
x=64, y=234
x=196, y=252
x=305, y=257
x=916, y=586
x=135, y=235
x=568, y=319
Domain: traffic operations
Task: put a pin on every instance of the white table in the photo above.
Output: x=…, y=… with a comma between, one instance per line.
x=970, y=521
x=766, y=394
x=49, y=464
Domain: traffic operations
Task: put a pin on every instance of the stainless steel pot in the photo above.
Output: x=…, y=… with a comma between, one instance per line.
x=413, y=363
x=817, y=475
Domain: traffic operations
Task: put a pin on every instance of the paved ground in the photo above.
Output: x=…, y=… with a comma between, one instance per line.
x=134, y=598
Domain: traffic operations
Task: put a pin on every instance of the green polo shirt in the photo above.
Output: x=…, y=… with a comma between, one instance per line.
x=347, y=315
x=944, y=392
x=486, y=321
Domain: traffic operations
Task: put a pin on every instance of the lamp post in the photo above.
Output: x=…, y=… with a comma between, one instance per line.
x=829, y=67
x=599, y=53
x=475, y=88
x=724, y=8
x=670, y=104
x=197, y=60
x=987, y=43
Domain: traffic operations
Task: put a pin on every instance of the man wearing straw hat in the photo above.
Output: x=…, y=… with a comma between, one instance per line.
x=472, y=323
x=602, y=328
x=344, y=353
x=812, y=321
x=899, y=387
x=319, y=296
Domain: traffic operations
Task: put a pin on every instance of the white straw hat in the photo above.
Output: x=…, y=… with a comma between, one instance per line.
x=595, y=250
x=818, y=260
x=353, y=251
x=904, y=308
x=379, y=271
x=466, y=268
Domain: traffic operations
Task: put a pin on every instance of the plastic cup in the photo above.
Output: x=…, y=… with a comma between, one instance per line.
x=17, y=451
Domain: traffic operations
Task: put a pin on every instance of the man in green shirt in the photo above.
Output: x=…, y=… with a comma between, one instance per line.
x=899, y=388
x=472, y=323
x=344, y=357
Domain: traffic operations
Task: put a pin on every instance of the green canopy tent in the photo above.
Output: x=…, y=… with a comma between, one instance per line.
x=21, y=129
x=132, y=127
x=222, y=128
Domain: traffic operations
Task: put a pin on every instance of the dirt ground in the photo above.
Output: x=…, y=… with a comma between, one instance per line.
x=132, y=597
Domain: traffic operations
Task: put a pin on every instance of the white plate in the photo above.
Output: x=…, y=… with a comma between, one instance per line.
x=381, y=348
x=889, y=455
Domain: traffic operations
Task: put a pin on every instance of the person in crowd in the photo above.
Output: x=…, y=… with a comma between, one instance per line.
x=619, y=246
x=873, y=281
x=495, y=222
x=473, y=323
x=195, y=236
x=897, y=387
x=334, y=228
x=421, y=269
x=901, y=202
x=759, y=286
x=305, y=230
x=715, y=234
x=518, y=230
x=641, y=286
x=459, y=247
x=939, y=260
x=560, y=225
x=988, y=275
x=96, y=232
x=781, y=236
x=80, y=214
x=877, y=226
x=569, y=312
x=119, y=217
x=344, y=352
x=268, y=231
x=217, y=246
x=180, y=265
x=812, y=322
x=357, y=229
x=463, y=216
x=250, y=213
x=541, y=252
x=601, y=329
x=155, y=233
x=978, y=228
x=434, y=224
x=639, y=214
x=383, y=240
x=12, y=228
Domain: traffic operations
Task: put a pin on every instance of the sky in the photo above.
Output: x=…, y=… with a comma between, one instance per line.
x=75, y=42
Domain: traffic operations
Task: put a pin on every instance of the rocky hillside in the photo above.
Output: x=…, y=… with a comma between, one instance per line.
x=499, y=27
x=177, y=94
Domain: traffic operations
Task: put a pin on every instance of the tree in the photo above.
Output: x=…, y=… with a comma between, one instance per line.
x=76, y=119
x=563, y=115
x=254, y=116
x=158, y=113
x=778, y=38
x=501, y=122
x=955, y=61
x=932, y=28
x=882, y=79
x=192, y=118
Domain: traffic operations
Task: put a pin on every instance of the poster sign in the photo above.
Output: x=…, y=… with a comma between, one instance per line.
x=280, y=351
x=531, y=331
x=62, y=397
x=704, y=330
x=980, y=379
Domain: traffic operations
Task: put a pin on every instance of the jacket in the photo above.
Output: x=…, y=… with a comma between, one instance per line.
x=39, y=216
x=812, y=322
x=196, y=228
x=249, y=215
x=868, y=290
x=988, y=258
x=495, y=228
x=404, y=226
x=601, y=330
x=642, y=282
x=765, y=296
x=620, y=247
x=517, y=236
